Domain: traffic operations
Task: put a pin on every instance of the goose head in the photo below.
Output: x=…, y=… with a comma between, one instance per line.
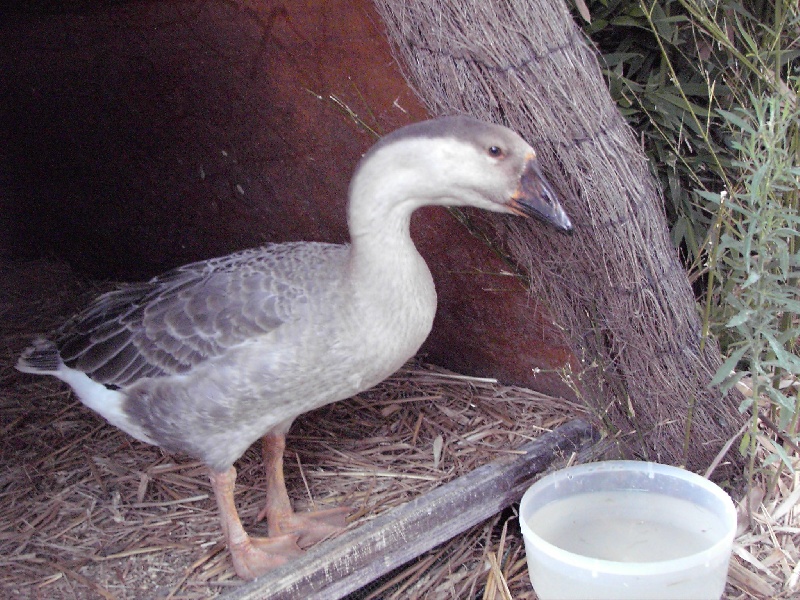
x=450, y=161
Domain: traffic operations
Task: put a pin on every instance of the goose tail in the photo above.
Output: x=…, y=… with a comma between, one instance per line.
x=41, y=357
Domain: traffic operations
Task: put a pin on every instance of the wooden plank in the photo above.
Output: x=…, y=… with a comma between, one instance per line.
x=337, y=567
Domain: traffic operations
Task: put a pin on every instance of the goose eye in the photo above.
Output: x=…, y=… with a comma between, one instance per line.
x=496, y=151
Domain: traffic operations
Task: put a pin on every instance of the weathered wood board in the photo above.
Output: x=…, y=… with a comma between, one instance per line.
x=337, y=567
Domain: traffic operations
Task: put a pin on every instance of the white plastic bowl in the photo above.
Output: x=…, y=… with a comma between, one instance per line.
x=627, y=530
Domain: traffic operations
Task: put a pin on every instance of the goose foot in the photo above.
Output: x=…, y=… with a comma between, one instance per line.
x=254, y=556
x=309, y=527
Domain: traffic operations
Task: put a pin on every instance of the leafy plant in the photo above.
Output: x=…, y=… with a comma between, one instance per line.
x=650, y=51
x=757, y=262
x=712, y=86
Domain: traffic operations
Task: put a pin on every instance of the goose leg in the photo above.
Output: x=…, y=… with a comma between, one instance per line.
x=310, y=527
x=252, y=556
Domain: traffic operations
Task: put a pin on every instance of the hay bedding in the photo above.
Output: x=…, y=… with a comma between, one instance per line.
x=86, y=511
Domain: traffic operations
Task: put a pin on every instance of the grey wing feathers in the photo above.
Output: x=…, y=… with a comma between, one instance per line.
x=180, y=319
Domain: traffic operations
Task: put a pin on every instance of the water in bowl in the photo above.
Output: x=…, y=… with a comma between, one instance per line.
x=620, y=526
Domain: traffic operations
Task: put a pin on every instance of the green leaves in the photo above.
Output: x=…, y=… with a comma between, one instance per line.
x=756, y=261
x=712, y=88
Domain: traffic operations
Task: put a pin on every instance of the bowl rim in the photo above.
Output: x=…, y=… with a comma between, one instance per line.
x=599, y=565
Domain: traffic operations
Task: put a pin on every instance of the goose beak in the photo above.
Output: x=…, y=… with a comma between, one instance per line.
x=535, y=198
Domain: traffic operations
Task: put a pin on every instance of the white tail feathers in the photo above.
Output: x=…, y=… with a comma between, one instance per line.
x=43, y=358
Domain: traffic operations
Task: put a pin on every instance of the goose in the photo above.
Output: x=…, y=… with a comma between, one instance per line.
x=208, y=358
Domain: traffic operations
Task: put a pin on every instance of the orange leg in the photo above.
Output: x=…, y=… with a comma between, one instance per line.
x=309, y=527
x=252, y=556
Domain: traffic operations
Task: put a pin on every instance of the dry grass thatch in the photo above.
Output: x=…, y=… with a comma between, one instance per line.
x=616, y=286
x=87, y=512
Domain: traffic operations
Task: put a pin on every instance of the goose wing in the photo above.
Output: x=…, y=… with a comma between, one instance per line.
x=191, y=314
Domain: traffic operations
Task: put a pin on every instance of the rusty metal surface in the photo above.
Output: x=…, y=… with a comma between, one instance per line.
x=145, y=135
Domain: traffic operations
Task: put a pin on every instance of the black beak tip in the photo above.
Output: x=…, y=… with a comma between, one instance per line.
x=535, y=198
